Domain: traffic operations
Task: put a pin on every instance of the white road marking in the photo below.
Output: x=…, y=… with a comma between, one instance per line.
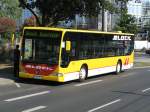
x=105, y=105
x=34, y=109
x=148, y=70
x=18, y=85
x=92, y=82
x=146, y=90
x=27, y=96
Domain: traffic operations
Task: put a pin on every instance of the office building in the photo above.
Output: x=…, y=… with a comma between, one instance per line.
x=135, y=9
x=146, y=13
x=140, y=9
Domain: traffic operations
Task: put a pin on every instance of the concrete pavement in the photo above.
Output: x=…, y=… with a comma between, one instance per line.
x=128, y=92
x=6, y=74
x=141, y=59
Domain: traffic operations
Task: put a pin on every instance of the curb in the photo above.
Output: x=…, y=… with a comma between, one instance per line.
x=141, y=67
x=4, y=81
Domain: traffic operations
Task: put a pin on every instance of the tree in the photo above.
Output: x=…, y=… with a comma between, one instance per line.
x=30, y=21
x=7, y=24
x=53, y=11
x=24, y=4
x=10, y=9
x=126, y=22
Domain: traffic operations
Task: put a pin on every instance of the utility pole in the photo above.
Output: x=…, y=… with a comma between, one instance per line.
x=147, y=33
x=76, y=21
x=104, y=17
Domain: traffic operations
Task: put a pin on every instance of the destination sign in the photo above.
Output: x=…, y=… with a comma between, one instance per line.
x=117, y=37
x=31, y=33
x=42, y=33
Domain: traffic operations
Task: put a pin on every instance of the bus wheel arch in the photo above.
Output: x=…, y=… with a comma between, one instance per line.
x=118, y=67
x=83, y=73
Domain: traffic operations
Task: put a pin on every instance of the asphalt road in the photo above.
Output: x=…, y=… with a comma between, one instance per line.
x=127, y=92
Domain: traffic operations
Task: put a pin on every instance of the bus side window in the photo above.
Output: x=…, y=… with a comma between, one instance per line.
x=73, y=50
x=128, y=47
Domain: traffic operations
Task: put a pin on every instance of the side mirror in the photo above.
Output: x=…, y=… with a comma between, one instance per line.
x=68, y=45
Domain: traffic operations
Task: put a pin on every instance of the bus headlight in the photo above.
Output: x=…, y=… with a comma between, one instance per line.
x=58, y=74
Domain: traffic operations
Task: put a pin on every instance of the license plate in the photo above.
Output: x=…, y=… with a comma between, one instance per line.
x=37, y=77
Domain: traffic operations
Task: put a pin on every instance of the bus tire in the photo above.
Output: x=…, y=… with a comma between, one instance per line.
x=118, y=67
x=82, y=73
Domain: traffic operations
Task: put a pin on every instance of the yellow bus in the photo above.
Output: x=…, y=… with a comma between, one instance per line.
x=62, y=55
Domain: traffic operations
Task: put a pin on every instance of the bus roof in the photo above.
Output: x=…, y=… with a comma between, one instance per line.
x=76, y=30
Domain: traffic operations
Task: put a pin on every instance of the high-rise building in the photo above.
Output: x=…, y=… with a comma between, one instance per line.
x=146, y=13
x=140, y=9
x=96, y=22
x=135, y=9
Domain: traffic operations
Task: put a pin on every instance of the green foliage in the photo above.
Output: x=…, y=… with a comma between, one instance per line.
x=9, y=8
x=30, y=21
x=53, y=11
x=7, y=24
x=126, y=24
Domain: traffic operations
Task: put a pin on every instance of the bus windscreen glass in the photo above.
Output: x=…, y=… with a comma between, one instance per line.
x=41, y=46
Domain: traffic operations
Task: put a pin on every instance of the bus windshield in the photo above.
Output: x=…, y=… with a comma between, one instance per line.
x=41, y=46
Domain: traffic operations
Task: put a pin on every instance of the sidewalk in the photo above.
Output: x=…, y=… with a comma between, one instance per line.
x=3, y=66
x=141, y=59
x=6, y=74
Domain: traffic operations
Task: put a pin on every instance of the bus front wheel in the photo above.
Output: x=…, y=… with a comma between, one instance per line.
x=82, y=73
x=118, y=67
